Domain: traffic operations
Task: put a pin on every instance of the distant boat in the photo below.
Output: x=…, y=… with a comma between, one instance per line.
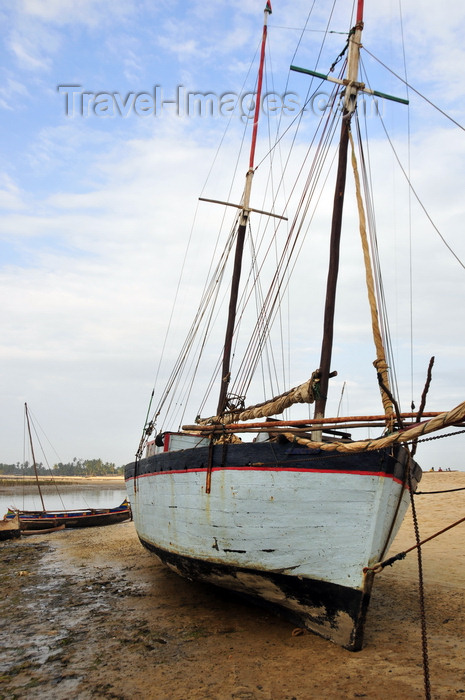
x=9, y=527
x=88, y=517
x=52, y=519
x=294, y=517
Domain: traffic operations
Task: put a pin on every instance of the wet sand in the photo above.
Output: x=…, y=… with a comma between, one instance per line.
x=91, y=614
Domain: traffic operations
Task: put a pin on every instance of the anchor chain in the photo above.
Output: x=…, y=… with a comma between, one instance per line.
x=421, y=591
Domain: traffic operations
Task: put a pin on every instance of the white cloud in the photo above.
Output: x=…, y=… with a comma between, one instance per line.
x=30, y=53
x=39, y=28
x=97, y=215
x=63, y=12
x=10, y=194
x=10, y=90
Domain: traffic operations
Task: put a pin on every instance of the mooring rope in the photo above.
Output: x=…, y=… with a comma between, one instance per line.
x=377, y=568
x=426, y=493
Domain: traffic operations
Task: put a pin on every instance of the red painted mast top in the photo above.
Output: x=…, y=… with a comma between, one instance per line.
x=259, y=86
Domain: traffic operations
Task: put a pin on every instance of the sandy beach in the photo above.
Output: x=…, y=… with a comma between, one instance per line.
x=91, y=614
x=110, y=481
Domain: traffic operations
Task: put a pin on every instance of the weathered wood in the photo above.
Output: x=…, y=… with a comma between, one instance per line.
x=88, y=517
x=44, y=531
x=350, y=100
x=33, y=456
x=280, y=523
x=236, y=427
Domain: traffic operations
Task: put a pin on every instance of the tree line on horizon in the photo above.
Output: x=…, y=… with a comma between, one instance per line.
x=78, y=467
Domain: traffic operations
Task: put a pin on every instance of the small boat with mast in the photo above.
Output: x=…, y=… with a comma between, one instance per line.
x=47, y=520
x=294, y=518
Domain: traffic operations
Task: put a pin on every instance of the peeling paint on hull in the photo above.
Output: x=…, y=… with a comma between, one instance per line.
x=286, y=527
x=329, y=610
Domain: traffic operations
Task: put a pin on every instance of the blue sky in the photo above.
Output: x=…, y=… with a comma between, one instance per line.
x=95, y=209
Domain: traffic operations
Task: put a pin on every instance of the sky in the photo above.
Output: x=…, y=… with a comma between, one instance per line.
x=97, y=195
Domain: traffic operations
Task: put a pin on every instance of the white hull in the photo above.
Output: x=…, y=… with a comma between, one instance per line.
x=260, y=529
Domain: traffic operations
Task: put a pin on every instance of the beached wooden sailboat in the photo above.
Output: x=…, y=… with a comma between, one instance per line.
x=292, y=518
x=87, y=517
x=52, y=520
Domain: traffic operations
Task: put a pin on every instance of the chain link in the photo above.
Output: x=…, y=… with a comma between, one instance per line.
x=421, y=591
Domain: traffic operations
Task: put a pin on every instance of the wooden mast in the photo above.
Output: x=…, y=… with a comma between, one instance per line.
x=350, y=101
x=244, y=216
x=33, y=456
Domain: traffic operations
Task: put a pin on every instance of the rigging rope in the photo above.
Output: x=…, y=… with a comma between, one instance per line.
x=456, y=415
x=417, y=197
x=427, y=493
x=380, y=294
x=380, y=362
x=289, y=254
x=444, y=114
x=379, y=566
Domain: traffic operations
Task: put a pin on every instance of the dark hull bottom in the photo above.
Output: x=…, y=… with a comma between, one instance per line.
x=332, y=611
x=9, y=534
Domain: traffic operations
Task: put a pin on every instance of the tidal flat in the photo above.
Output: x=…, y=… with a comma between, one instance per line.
x=91, y=614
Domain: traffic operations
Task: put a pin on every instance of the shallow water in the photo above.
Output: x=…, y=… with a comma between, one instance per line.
x=62, y=496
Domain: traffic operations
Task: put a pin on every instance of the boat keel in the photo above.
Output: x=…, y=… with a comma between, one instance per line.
x=334, y=612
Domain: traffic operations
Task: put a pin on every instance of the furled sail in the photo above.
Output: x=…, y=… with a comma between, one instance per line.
x=456, y=416
x=304, y=393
